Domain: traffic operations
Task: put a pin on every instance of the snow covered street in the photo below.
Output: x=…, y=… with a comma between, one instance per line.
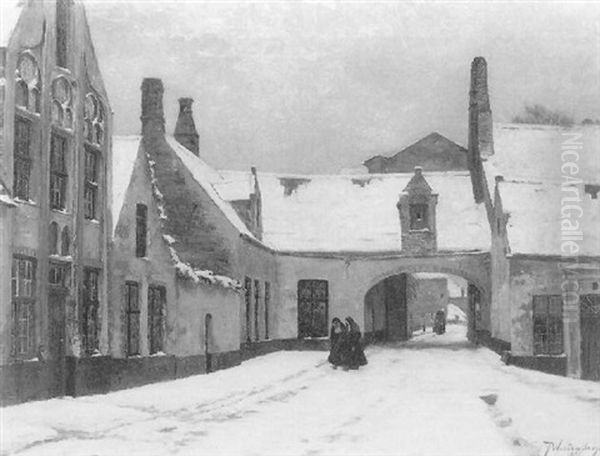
x=435, y=395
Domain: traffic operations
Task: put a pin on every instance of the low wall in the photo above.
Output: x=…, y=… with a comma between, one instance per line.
x=26, y=381
x=556, y=365
x=499, y=346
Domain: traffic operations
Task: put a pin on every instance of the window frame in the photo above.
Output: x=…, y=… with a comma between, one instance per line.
x=22, y=160
x=547, y=325
x=58, y=172
x=248, y=303
x=132, y=316
x=91, y=184
x=267, y=300
x=314, y=301
x=256, y=309
x=90, y=310
x=23, y=304
x=156, y=318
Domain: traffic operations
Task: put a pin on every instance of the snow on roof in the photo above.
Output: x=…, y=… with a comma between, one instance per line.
x=528, y=157
x=206, y=177
x=125, y=152
x=358, y=213
x=534, y=223
x=10, y=10
x=234, y=186
x=533, y=152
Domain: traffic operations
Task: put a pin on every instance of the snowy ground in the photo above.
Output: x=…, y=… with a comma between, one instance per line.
x=418, y=398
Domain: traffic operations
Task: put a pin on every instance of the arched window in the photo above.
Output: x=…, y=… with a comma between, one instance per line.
x=53, y=238
x=65, y=244
x=27, y=85
x=62, y=101
x=94, y=119
x=22, y=94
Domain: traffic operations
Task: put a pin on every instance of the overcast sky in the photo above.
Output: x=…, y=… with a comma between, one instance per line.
x=317, y=87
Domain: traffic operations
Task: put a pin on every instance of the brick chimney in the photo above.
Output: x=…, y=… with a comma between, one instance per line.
x=185, y=129
x=153, y=117
x=481, y=142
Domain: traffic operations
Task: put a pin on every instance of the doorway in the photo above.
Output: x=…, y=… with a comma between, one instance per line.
x=590, y=336
x=207, y=342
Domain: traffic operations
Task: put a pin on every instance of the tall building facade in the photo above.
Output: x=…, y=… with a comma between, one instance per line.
x=55, y=154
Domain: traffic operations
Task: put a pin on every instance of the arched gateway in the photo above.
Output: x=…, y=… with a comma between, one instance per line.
x=387, y=311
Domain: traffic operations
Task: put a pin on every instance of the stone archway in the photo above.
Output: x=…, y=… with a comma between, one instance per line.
x=388, y=316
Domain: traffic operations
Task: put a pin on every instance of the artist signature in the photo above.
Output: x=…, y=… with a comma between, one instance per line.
x=569, y=449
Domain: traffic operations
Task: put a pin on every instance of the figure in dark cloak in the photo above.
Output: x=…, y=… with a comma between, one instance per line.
x=355, y=354
x=338, y=338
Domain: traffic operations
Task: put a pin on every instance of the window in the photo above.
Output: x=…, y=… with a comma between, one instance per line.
x=93, y=126
x=62, y=100
x=90, y=192
x=256, y=307
x=27, y=85
x=62, y=32
x=248, y=301
x=267, y=304
x=58, y=274
x=132, y=309
x=141, y=226
x=58, y=172
x=22, y=159
x=156, y=306
x=90, y=307
x=23, y=301
x=53, y=238
x=418, y=217
x=65, y=243
x=313, y=301
x=547, y=325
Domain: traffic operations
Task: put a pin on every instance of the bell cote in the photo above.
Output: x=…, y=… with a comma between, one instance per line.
x=417, y=209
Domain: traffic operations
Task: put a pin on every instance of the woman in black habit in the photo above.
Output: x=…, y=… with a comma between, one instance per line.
x=356, y=355
x=338, y=341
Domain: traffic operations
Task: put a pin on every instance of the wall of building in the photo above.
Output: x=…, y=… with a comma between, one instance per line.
x=530, y=276
x=350, y=278
x=35, y=35
x=257, y=263
x=187, y=302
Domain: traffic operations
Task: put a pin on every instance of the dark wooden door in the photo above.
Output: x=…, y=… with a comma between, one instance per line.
x=396, y=308
x=57, y=340
x=590, y=336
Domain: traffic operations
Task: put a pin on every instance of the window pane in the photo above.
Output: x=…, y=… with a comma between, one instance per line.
x=22, y=137
x=156, y=302
x=312, y=308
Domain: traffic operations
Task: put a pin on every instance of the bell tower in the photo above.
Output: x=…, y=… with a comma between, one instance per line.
x=417, y=210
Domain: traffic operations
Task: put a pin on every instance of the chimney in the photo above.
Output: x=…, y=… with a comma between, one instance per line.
x=185, y=129
x=256, y=206
x=480, y=121
x=480, y=142
x=153, y=118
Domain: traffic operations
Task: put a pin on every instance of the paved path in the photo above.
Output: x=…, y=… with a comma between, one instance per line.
x=423, y=397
